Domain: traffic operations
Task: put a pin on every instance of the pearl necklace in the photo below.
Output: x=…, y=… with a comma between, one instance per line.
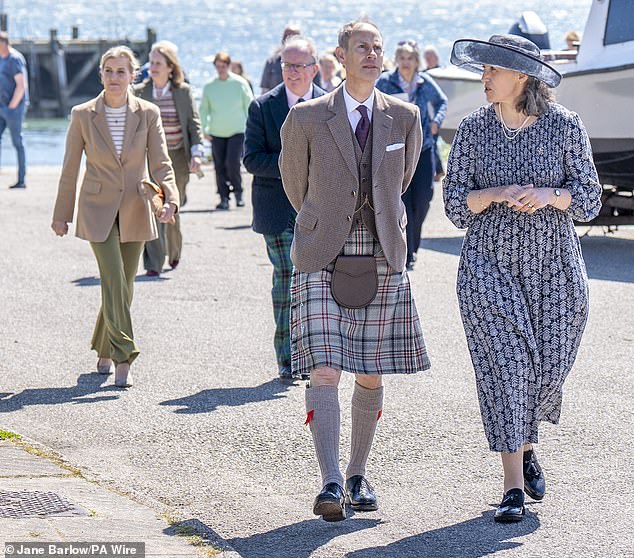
x=510, y=133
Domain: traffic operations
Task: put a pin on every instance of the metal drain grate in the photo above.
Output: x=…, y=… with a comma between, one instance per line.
x=18, y=505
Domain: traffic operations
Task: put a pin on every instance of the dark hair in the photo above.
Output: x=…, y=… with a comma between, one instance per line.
x=4, y=37
x=343, y=38
x=177, y=76
x=222, y=57
x=533, y=101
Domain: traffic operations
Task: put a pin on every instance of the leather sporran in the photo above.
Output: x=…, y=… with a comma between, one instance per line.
x=154, y=194
x=355, y=281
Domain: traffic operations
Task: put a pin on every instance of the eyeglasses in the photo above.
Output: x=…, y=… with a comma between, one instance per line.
x=296, y=67
x=408, y=42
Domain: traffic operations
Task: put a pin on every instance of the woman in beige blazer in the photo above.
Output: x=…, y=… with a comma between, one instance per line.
x=121, y=137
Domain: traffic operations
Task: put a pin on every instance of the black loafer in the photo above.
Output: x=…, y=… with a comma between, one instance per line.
x=330, y=503
x=534, y=482
x=511, y=510
x=360, y=494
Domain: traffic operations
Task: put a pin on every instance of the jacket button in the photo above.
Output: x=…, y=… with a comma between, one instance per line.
x=349, y=217
x=354, y=192
x=364, y=180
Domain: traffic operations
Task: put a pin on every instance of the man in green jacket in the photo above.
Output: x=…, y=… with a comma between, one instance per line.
x=223, y=114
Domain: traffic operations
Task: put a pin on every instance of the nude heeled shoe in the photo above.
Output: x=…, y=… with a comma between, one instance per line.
x=122, y=377
x=103, y=368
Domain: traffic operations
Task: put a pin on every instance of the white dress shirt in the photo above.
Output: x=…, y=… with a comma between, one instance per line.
x=292, y=98
x=351, y=106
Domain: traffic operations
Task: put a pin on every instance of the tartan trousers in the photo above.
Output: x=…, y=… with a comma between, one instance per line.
x=278, y=247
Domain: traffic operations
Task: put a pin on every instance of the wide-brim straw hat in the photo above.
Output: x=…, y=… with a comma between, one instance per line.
x=504, y=51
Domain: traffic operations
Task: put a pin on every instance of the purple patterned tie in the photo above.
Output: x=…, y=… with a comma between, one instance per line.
x=363, y=127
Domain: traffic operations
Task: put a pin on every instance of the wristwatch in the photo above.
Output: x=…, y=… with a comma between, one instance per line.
x=557, y=193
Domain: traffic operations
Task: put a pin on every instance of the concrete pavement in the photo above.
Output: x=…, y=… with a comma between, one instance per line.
x=210, y=435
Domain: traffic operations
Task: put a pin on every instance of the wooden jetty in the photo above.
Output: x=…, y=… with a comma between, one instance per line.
x=65, y=72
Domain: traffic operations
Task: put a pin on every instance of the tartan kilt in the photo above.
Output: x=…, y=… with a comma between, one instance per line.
x=384, y=337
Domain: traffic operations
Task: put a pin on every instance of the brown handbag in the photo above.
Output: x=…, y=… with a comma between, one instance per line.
x=354, y=281
x=156, y=197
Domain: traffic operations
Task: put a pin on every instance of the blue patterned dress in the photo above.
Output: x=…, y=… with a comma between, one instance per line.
x=522, y=283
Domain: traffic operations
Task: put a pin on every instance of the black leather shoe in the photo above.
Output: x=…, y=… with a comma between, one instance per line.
x=360, y=494
x=223, y=205
x=330, y=503
x=17, y=186
x=534, y=482
x=511, y=510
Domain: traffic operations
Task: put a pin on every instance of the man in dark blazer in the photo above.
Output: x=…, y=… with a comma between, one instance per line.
x=273, y=215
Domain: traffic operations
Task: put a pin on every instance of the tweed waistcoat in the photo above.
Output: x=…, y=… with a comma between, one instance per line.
x=364, y=209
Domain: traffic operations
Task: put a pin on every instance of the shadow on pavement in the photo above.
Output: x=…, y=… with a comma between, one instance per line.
x=298, y=540
x=475, y=538
x=95, y=281
x=180, y=211
x=235, y=228
x=87, y=384
x=209, y=400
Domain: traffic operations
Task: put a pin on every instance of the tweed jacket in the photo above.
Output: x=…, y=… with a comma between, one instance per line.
x=272, y=212
x=112, y=185
x=186, y=110
x=321, y=178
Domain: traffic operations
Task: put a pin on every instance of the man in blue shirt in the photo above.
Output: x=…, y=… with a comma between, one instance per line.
x=13, y=101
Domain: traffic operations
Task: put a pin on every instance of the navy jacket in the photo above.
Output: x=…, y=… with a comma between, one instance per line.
x=427, y=92
x=272, y=212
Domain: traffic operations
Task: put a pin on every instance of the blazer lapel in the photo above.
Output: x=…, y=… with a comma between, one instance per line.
x=381, y=128
x=279, y=108
x=340, y=129
x=131, y=123
x=101, y=124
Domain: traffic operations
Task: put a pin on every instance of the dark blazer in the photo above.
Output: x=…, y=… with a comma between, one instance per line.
x=272, y=211
x=321, y=176
x=185, y=108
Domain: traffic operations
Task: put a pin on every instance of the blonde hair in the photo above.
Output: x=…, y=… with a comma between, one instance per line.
x=120, y=51
x=167, y=50
x=407, y=48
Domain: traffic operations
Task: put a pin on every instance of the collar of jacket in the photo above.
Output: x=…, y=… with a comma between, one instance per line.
x=100, y=102
x=394, y=79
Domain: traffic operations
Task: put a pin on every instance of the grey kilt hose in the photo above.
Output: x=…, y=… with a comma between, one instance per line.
x=385, y=337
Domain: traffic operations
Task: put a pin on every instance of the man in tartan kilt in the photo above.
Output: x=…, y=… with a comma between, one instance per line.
x=273, y=215
x=346, y=159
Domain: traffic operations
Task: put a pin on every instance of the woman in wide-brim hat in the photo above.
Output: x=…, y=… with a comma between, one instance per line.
x=520, y=170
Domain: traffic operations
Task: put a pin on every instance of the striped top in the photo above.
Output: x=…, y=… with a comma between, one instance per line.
x=171, y=124
x=116, y=118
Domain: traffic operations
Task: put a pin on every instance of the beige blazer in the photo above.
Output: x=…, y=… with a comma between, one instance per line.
x=321, y=179
x=112, y=185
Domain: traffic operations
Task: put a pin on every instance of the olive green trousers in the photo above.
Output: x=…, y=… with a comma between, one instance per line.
x=118, y=263
x=170, y=240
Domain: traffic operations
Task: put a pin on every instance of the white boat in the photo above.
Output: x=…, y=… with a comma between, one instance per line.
x=598, y=84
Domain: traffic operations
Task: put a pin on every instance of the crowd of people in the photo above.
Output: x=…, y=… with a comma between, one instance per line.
x=342, y=152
